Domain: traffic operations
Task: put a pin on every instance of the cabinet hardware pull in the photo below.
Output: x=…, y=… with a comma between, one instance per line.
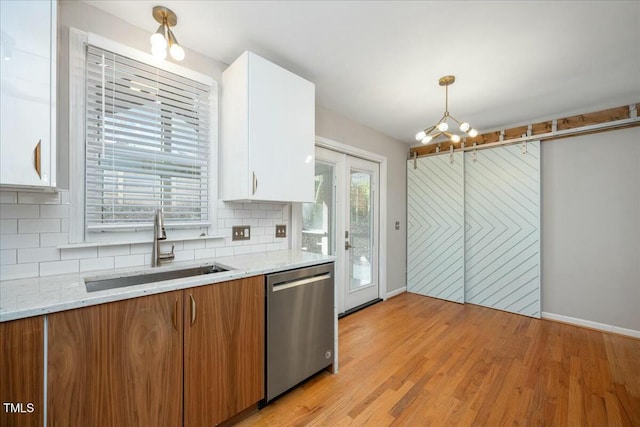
x=174, y=317
x=37, y=155
x=193, y=309
x=255, y=183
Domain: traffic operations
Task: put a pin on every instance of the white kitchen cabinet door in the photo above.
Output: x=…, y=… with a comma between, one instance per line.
x=268, y=132
x=27, y=95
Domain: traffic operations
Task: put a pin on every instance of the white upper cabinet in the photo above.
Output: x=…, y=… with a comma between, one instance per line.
x=268, y=132
x=27, y=93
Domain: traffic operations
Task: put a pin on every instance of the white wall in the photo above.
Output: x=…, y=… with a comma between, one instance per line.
x=338, y=128
x=591, y=228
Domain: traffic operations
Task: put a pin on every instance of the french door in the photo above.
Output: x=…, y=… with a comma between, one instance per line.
x=344, y=221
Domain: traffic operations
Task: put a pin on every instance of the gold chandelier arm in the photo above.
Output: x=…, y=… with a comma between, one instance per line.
x=454, y=119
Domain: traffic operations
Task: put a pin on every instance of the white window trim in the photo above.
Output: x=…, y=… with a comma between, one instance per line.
x=77, y=233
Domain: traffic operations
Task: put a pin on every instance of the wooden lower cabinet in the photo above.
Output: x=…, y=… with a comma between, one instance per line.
x=117, y=364
x=190, y=358
x=22, y=372
x=224, y=350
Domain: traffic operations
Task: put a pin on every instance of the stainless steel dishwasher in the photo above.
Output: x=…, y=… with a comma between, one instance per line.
x=300, y=326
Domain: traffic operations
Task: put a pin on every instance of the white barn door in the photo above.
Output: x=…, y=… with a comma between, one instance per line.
x=435, y=227
x=502, y=236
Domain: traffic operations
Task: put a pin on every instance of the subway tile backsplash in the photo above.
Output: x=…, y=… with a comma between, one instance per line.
x=33, y=225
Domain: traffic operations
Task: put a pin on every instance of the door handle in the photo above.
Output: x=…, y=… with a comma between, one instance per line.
x=347, y=245
x=193, y=309
x=255, y=183
x=174, y=317
x=37, y=158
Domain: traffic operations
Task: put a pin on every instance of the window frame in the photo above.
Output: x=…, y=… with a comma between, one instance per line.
x=78, y=231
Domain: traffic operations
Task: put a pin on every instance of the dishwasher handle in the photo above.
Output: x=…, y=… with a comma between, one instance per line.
x=300, y=282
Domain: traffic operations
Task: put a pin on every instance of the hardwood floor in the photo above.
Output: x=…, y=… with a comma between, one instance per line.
x=418, y=361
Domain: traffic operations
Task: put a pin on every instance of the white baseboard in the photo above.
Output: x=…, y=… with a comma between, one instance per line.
x=593, y=325
x=395, y=292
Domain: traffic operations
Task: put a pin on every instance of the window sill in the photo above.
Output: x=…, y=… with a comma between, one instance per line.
x=133, y=242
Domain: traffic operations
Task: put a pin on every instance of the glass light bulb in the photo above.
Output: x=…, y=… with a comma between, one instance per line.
x=158, y=40
x=443, y=126
x=177, y=52
x=159, y=52
x=420, y=135
x=455, y=138
x=427, y=139
x=464, y=126
x=473, y=133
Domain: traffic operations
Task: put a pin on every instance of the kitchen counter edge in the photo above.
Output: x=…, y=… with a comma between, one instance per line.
x=23, y=298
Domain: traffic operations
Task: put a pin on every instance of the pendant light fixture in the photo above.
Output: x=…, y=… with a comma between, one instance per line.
x=431, y=134
x=164, y=37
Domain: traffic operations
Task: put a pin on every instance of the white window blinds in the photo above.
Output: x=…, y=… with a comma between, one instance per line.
x=147, y=144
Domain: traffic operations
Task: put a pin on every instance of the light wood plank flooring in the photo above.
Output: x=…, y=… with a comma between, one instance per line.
x=418, y=361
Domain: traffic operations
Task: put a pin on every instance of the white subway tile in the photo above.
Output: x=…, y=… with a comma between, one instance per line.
x=19, y=211
x=141, y=248
x=267, y=206
x=64, y=197
x=258, y=214
x=227, y=251
x=8, y=256
x=18, y=271
x=8, y=197
x=53, y=239
x=194, y=244
x=38, y=255
x=253, y=222
x=59, y=267
x=129, y=260
x=18, y=241
x=8, y=226
x=258, y=248
x=267, y=238
x=258, y=231
x=274, y=214
x=277, y=246
x=48, y=225
x=93, y=264
x=240, y=250
x=184, y=255
x=285, y=213
x=38, y=198
x=106, y=251
x=204, y=253
x=266, y=222
x=225, y=214
x=216, y=243
x=242, y=213
x=54, y=211
x=231, y=222
x=64, y=225
x=79, y=253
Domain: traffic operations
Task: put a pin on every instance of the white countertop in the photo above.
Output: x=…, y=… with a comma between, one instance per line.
x=41, y=295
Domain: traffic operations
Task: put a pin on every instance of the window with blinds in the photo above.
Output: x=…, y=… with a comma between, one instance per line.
x=147, y=144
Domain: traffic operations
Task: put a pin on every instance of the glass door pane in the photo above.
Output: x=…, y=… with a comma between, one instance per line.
x=318, y=217
x=360, y=229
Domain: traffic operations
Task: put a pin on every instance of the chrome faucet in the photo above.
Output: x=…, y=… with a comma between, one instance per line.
x=159, y=234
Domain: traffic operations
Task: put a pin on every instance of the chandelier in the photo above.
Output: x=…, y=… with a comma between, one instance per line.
x=164, y=37
x=431, y=134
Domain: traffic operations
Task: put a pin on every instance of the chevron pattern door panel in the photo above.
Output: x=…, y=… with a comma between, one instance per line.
x=502, y=229
x=435, y=232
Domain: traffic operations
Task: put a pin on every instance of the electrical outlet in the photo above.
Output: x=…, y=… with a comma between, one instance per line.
x=241, y=232
x=281, y=230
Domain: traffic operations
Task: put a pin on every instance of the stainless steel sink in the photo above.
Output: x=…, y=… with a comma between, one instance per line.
x=103, y=283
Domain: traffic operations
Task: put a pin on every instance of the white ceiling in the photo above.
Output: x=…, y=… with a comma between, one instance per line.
x=378, y=62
